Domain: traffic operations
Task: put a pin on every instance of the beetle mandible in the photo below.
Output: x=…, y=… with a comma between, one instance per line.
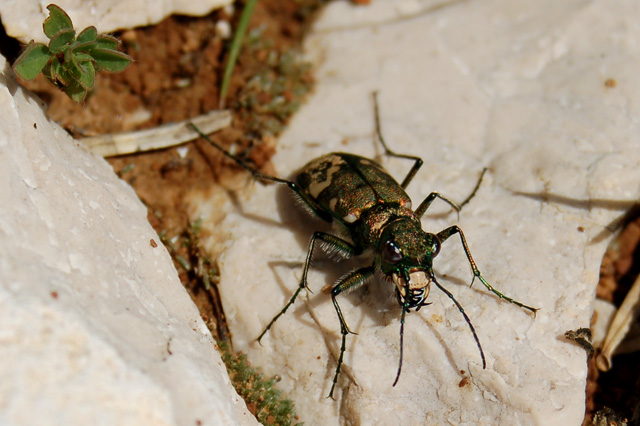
x=359, y=195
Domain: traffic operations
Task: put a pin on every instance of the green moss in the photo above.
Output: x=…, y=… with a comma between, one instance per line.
x=259, y=393
x=275, y=90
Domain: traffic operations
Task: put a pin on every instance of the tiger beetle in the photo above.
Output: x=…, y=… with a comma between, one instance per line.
x=359, y=195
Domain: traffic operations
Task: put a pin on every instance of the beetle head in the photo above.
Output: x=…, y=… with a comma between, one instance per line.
x=406, y=255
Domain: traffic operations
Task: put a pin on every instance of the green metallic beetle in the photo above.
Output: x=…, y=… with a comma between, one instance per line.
x=361, y=196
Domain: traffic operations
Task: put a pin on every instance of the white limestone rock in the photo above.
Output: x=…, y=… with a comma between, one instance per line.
x=96, y=326
x=515, y=86
x=23, y=19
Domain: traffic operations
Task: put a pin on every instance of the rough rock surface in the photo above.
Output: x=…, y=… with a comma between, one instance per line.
x=541, y=93
x=23, y=19
x=96, y=326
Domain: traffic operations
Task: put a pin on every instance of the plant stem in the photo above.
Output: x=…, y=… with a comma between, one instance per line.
x=236, y=44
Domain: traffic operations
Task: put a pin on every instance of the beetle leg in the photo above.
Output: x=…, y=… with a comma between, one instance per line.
x=424, y=205
x=473, y=193
x=331, y=244
x=352, y=281
x=443, y=235
x=348, y=283
x=417, y=160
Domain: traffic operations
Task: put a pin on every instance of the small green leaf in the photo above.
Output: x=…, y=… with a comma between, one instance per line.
x=46, y=71
x=67, y=58
x=84, y=47
x=74, y=68
x=32, y=61
x=107, y=42
x=77, y=48
x=75, y=91
x=63, y=76
x=81, y=63
x=82, y=57
x=88, y=34
x=87, y=78
x=52, y=69
x=110, y=60
x=57, y=21
x=61, y=40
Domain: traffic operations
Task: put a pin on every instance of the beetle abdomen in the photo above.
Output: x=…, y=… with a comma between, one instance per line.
x=347, y=186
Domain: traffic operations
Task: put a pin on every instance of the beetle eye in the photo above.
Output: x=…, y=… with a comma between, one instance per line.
x=436, y=248
x=391, y=253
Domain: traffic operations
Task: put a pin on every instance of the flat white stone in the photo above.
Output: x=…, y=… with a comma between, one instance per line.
x=96, y=326
x=23, y=19
x=515, y=86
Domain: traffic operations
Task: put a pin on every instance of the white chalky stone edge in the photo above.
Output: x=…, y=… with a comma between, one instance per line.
x=96, y=326
x=23, y=19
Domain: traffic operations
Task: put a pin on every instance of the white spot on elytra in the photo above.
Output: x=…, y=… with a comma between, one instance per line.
x=317, y=187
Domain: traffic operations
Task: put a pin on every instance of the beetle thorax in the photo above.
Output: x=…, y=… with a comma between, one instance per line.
x=378, y=217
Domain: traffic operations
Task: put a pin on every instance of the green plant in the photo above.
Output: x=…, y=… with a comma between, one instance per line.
x=236, y=45
x=274, y=92
x=70, y=61
x=262, y=399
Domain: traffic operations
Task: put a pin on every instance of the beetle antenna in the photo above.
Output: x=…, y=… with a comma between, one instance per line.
x=466, y=318
x=405, y=309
